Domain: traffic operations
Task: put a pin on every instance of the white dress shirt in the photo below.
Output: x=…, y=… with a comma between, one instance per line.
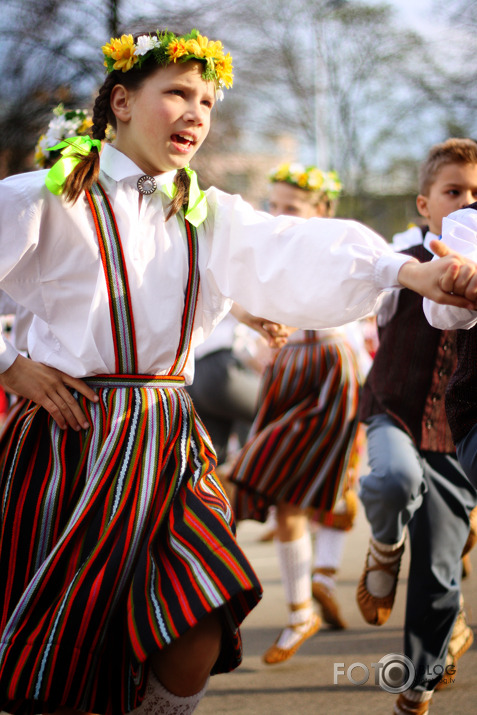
x=411, y=237
x=313, y=274
x=459, y=232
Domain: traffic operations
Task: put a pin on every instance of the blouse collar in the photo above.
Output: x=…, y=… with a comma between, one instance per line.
x=118, y=167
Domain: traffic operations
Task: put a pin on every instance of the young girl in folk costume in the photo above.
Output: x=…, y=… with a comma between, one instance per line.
x=123, y=585
x=298, y=452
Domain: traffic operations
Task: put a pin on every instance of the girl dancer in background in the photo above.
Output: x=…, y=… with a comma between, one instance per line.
x=298, y=453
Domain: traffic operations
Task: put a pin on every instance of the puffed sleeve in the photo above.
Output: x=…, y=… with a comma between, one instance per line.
x=459, y=232
x=18, y=239
x=311, y=274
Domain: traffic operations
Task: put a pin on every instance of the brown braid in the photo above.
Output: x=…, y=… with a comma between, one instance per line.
x=181, y=198
x=86, y=171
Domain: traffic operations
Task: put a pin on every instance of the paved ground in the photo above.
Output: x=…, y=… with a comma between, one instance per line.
x=305, y=684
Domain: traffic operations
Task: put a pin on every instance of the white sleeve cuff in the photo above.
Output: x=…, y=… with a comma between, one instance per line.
x=387, y=268
x=8, y=354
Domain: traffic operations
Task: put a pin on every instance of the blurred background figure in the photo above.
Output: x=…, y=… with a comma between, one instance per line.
x=299, y=456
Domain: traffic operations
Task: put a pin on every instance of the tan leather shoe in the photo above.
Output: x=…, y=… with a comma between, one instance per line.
x=376, y=610
x=344, y=517
x=461, y=639
x=330, y=609
x=404, y=706
x=276, y=654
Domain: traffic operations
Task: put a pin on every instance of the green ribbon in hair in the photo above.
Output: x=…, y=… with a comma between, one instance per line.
x=56, y=177
x=197, y=210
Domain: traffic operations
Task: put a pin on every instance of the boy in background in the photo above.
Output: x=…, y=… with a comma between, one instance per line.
x=415, y=479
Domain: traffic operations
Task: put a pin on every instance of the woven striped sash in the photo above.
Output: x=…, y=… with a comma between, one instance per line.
x=122, y=320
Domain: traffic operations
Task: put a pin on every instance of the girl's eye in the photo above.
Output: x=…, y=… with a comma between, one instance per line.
x=208, y=103
x=178, y=92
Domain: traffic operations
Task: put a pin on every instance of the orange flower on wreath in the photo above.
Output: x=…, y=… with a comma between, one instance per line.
x=177, y=49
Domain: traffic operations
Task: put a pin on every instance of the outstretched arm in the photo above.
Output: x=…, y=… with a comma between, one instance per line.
x=451, y=280
x=49, y=388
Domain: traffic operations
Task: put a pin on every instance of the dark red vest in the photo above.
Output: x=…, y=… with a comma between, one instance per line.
x=411, y=370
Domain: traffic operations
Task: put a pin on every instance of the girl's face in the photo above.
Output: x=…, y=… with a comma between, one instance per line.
x=161, y=125
x=288, y=200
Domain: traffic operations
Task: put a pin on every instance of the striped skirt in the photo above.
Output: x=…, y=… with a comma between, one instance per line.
x=303, y=435
x=114, y=542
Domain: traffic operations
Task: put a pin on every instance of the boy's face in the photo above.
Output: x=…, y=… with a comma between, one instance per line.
x=455, y=186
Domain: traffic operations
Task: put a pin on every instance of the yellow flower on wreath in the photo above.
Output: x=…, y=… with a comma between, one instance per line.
x=215, y=50
x=198, y=46
x=315, y=179
x=224, y=68
x=86, y=124
x=123, y=51
x=282, y=172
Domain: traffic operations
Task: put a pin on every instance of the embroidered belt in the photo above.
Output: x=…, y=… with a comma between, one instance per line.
x=135, y=381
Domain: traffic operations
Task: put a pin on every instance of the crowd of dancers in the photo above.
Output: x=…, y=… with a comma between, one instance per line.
x=123, y=583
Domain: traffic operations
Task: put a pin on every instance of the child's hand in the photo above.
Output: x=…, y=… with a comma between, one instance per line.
x=451, y=280
x=49, y=388
x=465, y=281
x=276, y=334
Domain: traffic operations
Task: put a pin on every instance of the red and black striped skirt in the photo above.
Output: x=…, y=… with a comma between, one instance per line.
x=303, y=434
x=114, y=542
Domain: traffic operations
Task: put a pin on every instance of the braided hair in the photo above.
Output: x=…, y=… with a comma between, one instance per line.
x=86, y=172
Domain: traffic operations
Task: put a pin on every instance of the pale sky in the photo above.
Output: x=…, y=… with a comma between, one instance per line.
x=416, y=13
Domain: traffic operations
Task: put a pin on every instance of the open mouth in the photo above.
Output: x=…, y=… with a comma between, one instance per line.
x=183, y=142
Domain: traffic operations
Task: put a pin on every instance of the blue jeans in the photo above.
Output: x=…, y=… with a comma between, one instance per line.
x=429, y=493
x=467, y=454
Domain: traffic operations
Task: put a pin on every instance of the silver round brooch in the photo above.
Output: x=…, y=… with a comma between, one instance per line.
x=146, y=185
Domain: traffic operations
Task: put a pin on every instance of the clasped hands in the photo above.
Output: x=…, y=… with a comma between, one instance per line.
x=451, y=280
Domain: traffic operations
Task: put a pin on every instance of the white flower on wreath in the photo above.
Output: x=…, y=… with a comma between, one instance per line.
x=61, y=128
x=296, y=169
x=145, y=43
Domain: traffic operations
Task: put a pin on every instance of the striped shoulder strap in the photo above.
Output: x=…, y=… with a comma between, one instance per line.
x=190, y=300
x=122, y=321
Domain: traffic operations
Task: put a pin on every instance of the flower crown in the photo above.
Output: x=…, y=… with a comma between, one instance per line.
x=309, y=178
x=64, y=124
x=122, y=53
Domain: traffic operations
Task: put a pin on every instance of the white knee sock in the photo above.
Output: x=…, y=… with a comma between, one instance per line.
x=329, y=545
x=294, y=558
x=159, y=701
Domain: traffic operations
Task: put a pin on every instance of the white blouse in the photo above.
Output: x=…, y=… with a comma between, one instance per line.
x=314, y=274
x=459, y=232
